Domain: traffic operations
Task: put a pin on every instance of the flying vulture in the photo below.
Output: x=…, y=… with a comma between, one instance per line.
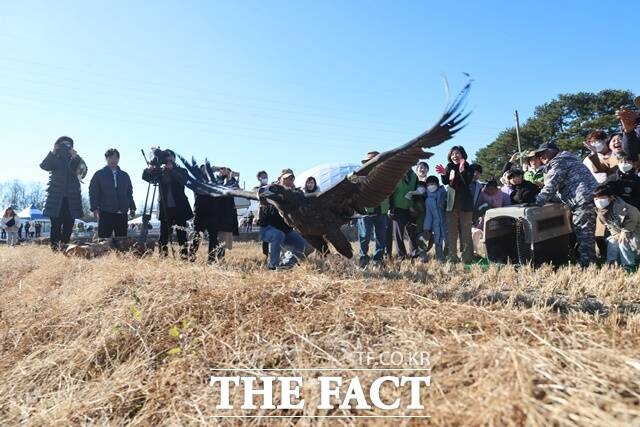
x=318, y=216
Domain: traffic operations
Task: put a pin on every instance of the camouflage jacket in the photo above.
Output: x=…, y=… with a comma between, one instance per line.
x=569, y=179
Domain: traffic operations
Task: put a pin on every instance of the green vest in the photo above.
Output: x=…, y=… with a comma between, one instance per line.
x=398, y=201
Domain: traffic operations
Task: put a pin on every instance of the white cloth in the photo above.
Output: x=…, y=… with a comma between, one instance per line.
x=15, y=227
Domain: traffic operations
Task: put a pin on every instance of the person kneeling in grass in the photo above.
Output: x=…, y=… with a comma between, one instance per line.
x=623, y=222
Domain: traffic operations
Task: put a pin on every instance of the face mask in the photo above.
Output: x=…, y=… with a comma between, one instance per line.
x=264, y=181
x=600, y=146
x=421, y=190
x=625, y=167
x=601, y=203
x=432, y=188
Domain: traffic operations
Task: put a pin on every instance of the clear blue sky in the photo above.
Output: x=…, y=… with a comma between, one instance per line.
x=273, y=84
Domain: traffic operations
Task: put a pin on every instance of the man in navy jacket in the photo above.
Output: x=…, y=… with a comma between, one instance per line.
x=111, y=197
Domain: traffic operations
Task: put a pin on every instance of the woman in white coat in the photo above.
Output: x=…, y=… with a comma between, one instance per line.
x=10, y=222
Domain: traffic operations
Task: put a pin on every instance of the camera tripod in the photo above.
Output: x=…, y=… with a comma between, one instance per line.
x=146, y=217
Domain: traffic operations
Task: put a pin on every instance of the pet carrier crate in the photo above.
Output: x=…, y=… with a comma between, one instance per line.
x=523, y=234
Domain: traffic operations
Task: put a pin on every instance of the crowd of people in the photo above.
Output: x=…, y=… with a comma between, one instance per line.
x=444, y=211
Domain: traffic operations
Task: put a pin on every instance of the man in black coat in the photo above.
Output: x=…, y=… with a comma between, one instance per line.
x=64, y=201
x=111, y=197
x=175, y=210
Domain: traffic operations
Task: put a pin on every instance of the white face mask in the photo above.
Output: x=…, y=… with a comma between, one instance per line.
x=625, y=167
x=421, y=190
x=601, y=203
x=432, y=188
x=264, y=181
x=600, y=146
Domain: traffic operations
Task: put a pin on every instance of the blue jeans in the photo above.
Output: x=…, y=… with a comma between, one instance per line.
x=376, y=226
x=277, y=239
x=620, y=252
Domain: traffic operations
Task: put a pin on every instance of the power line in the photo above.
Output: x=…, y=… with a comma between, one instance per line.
x=199, y=92
x=207, y=121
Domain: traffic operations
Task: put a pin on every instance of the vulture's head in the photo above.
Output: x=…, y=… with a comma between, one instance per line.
x=281, y=197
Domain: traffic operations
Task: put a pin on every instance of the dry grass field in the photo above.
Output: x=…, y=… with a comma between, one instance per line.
x=125, y=341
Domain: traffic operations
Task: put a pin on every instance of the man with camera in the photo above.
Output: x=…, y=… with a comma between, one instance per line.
x=174, y=205
x=111, y=197
x=64, y=201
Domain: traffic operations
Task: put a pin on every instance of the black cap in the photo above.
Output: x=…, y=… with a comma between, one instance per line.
x=551, y=145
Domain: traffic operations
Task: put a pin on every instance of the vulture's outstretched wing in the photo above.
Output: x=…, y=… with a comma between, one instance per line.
x=199, y=184
x=195, y=170
x=378, y=178
x=208, y=168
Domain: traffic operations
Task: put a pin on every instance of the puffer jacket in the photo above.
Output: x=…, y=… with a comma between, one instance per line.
x=63, y=182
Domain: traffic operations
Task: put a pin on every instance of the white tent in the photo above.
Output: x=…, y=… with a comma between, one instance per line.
x=31, y=213
x=327, y=174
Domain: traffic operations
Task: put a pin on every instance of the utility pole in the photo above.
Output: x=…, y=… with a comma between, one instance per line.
x=517, y=118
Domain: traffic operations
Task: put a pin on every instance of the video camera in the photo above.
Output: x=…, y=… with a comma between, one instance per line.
x=64, y=144
x=64, y=148
x=159, y=156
